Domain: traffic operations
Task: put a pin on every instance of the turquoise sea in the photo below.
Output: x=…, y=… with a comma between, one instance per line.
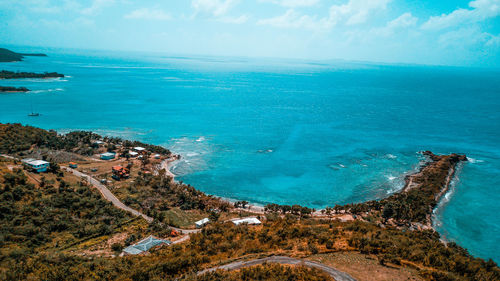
x=286, y=131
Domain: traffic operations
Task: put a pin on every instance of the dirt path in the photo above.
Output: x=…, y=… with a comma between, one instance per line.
x=335, y=274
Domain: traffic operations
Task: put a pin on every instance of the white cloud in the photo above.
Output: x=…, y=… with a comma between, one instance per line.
x=481, y=10
x=293, y=3
x=292, y=19
x=97, y=6
x=351, y=13
x=403, y=21
x=356, y=11
x=148, y=14
x=215, y=8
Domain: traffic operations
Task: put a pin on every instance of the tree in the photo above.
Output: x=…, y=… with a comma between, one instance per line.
x=214, y=216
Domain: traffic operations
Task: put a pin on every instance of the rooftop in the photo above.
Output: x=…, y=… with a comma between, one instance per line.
x=108, y=154
x=202, y=221
x=34, y=162
x=138, y=148
x=247, y=220
x=144, y=245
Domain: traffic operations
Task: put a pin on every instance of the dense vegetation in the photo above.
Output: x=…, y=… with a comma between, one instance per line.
x=37, y=223
x=155, y=195
x=270, y=272
x=5, y=74
x=13, y=89
x=16, y=138
x=9, y=56
x=289, y=236
x=35, y=219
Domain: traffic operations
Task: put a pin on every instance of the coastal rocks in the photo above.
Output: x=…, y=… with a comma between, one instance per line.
x=412, y=207
x=13, y=89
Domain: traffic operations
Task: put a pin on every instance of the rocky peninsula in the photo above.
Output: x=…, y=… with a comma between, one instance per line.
x=10, y=56
x=13, y=89
x=5, y=74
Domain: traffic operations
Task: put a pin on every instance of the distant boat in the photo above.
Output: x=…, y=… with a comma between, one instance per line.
x=33, y=114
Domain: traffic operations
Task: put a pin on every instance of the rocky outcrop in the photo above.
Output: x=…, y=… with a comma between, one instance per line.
x=13, y=89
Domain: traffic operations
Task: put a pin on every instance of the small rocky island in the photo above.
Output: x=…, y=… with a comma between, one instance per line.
x=5, y=74
x=13, y=89
x=10, y=56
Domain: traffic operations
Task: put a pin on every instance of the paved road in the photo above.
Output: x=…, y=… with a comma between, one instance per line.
x=335, y=274
x=108, y=195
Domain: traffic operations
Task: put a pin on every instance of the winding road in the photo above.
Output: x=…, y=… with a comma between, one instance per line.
x=335, y=274
x=108, y=195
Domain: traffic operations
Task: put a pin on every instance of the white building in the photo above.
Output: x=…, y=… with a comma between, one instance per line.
x=251, y=220
x=201, y=223
x=38, y=165
x=139, y=149
x=133, y=153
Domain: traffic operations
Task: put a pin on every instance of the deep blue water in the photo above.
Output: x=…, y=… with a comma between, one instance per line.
x=286, y=131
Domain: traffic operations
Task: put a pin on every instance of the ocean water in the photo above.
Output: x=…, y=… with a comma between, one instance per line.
x=286, y=131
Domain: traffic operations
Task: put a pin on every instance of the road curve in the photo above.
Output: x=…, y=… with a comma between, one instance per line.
x=335, y=274
x=107, y=194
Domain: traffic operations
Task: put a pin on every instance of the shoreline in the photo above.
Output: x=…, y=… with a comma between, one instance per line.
x=431, y=160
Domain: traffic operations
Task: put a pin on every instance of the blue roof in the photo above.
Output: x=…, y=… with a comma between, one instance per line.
x=144, y=245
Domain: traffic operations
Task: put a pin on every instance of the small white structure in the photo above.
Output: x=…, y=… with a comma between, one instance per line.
x=133, y=153
x=157, y=156
x=108, y=155
x=98, y=142
x=251, y=220
x=139, y=149
x=202, y=223
x=37, y=165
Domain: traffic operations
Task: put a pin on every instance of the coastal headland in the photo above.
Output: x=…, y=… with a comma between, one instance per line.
x=4, y=74
x=10, y=56
x=78, y=229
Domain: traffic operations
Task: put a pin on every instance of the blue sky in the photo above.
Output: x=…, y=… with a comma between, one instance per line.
x=446, y=32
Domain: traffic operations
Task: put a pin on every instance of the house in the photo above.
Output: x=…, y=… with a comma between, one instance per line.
x=133, y=153
x=73, y=165
x=38, y=166
x=139, y=149
x=108, y=156
x=98, y=142
x=119, y=172
x=157, y=156
x=251, y=220
x=144, y=245
x=201, y=223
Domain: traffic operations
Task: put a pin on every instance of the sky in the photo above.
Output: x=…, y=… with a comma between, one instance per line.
x=444, y=32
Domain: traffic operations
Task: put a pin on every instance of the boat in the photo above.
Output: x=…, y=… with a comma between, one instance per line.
x=33, y=114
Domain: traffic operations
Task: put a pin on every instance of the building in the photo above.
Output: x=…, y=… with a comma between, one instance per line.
x=157, y=156
x=73, y=165
x=144, y=245
x=139, y=149
x=251, y=220
x=108, y=156
x=119, y=173
x=202, y=223
x=98, y=142
x=38, y=166
x=133, y=153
